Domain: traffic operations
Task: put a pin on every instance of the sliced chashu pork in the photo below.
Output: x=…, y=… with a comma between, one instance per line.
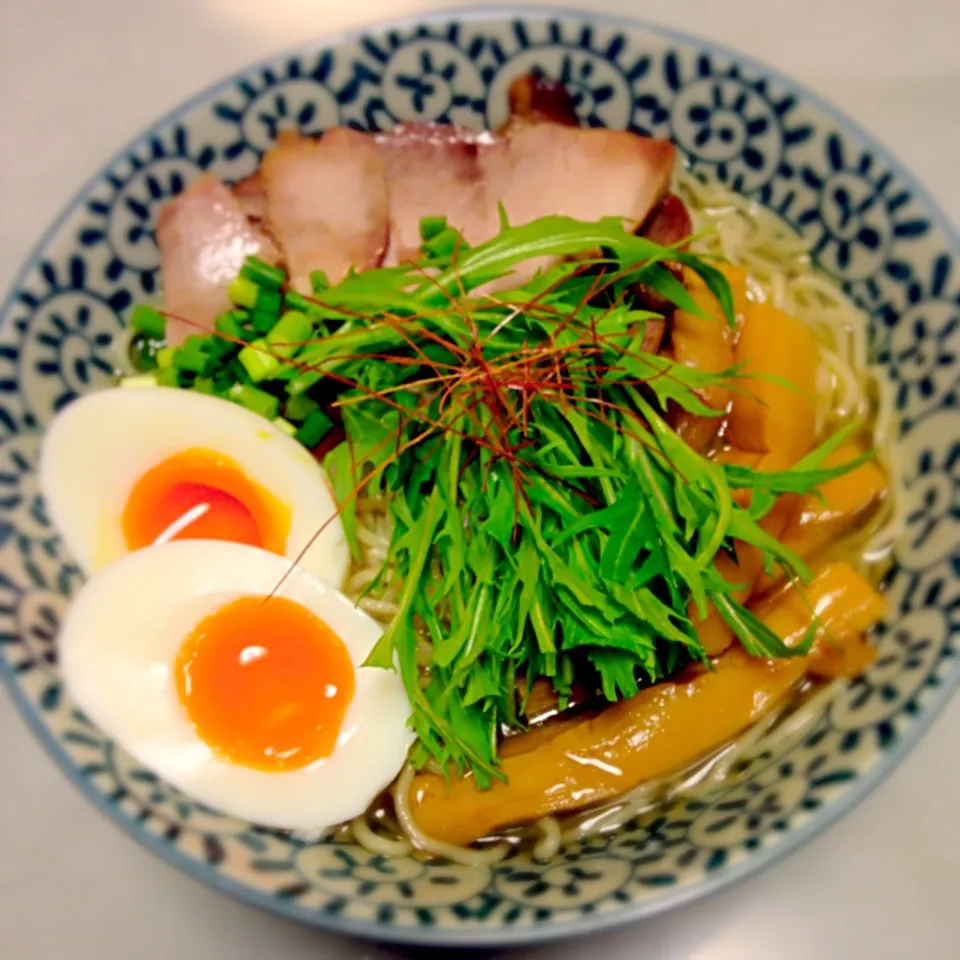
x=667, y=224
x=552, y=165
x=326, y=203
x=204, y=236
x=348, y=199
x=535, y=99
x=433, y=170
x=251, y=197
x=587, y=174
x=534, y=170
x=545, y=168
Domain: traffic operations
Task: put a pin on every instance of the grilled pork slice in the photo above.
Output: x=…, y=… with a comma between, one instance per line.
x=352, y=200
x=326, y=203
x=668, y=223
x=534, y=169
x=252, y=197
x=546, y=168
x=204, y=237
x=535, y=99
x=542, y=169
x=434, y=170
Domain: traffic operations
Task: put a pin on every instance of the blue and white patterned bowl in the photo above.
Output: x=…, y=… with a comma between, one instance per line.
x=865, y=217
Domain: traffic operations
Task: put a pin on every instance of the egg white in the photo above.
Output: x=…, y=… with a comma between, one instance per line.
x=118, y=644
x=97, y=448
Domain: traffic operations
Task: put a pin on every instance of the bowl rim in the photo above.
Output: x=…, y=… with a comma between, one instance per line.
x=757, y=860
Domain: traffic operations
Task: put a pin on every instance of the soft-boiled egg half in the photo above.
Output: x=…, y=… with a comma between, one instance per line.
x=254, y=702
x=125, y=468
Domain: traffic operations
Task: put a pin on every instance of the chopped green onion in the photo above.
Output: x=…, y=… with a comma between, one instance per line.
x=230, y=324
x=235, y=372
x=314, y=429
x=223, y=381
x=192, y=356
x=259, y=361
x=219, y=348
x=319, y=282
x=204, y=385
x=267, y=311
x=262, y=273
x=165, y=357
x=431, y=226
x=243, y=292
x=149, y=321
x=144, y=380
x=303, y=381
x=168, y=377
x=291, y=331
x=263, y=321
x=256, y=400
x=286, y=426
x=300, y=407
x=297, y=301
x=445, y=243
x=268, y=301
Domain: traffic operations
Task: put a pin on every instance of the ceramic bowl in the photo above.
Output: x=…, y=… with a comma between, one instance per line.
x=868, y=222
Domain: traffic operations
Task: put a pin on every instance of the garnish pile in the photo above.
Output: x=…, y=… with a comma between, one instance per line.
x=547, y=520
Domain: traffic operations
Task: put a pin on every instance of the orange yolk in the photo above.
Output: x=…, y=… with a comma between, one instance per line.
x=203, y=495
x=265, y=683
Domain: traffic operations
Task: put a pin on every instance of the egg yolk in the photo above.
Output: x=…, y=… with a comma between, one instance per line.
x=265, y=683
x=203, y=495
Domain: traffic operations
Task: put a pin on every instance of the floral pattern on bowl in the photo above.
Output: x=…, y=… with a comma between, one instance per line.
x=867, y=221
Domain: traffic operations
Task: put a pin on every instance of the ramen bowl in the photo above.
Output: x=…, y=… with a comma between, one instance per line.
x=868, y=223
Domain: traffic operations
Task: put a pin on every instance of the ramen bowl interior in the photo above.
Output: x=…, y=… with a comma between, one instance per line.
x=773, y=175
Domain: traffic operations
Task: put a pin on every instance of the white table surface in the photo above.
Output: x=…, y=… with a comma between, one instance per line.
x=78, y=79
